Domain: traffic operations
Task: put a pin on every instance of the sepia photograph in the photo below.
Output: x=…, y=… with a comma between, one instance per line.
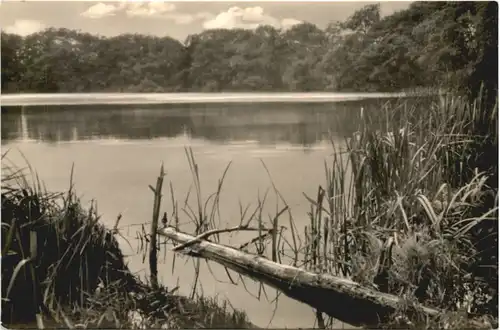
x=249, y=164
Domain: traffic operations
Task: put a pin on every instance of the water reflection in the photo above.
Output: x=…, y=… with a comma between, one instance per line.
x=297, y=124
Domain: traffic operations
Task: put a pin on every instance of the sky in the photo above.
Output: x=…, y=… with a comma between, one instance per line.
x=175, y=19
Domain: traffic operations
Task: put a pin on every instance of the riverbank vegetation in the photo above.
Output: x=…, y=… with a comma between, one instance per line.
x=428, y=45
x=409, y=208
x=62, y=268
x=420, y=220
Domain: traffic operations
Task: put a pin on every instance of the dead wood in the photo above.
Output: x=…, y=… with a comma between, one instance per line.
x=340, y=298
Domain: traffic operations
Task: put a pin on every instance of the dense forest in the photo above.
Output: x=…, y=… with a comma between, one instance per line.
x=430, y=44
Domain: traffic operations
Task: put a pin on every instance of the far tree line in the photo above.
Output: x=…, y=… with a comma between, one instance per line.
x=430, y=44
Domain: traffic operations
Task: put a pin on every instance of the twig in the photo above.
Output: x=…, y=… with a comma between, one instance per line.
x=274, y=239
x=258, y=238
x=319, y=318
x=115, y=228
x=209, y=233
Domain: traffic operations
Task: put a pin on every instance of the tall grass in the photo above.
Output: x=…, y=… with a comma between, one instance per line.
x=203, y=216
x=411, y=206
x=74, y=252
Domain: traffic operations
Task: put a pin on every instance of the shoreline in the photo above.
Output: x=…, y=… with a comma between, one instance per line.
x=12, y=100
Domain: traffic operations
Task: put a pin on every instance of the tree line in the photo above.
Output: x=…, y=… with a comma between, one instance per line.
x=430, y=44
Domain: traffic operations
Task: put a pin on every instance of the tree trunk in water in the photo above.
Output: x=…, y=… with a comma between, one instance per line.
x=340, y=298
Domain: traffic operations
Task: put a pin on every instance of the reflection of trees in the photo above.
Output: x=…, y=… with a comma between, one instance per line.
x=10, y=126
x=300, y=124
x=266, y=133
x=89, y=124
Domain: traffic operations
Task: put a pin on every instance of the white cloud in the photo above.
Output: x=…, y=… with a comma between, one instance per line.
x=234, y=17
x=152, y=8
x=246, y=18
x=144, y=9
x=100, y=10
x=24, y=27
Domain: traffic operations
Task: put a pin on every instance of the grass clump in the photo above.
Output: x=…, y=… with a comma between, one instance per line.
x=74, y=253
x=63, y=268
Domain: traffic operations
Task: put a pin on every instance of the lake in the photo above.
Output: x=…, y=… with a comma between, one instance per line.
x=117, y=152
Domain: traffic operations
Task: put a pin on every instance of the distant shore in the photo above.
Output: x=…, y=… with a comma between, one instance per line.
x=179, y=98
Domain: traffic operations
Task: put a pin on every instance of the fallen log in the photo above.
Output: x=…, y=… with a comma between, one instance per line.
x=340, y=298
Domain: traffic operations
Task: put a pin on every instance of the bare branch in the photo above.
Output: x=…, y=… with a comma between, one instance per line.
x=209, y=233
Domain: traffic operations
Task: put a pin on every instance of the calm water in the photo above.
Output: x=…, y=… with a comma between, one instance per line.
x=117, y=152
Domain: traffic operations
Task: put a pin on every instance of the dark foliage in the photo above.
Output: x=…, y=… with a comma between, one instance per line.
x=74, y=252
x=430, y=44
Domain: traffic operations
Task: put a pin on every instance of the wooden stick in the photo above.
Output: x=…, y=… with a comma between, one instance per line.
x=153, y=257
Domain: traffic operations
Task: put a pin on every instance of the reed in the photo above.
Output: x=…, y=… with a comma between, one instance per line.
x=410, y=206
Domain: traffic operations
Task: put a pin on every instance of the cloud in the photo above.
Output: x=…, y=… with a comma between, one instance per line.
x=147, y=9
x=24, y=27
x=144, y=9
x=100, y=10
x=234, y=17
x=246, y=18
